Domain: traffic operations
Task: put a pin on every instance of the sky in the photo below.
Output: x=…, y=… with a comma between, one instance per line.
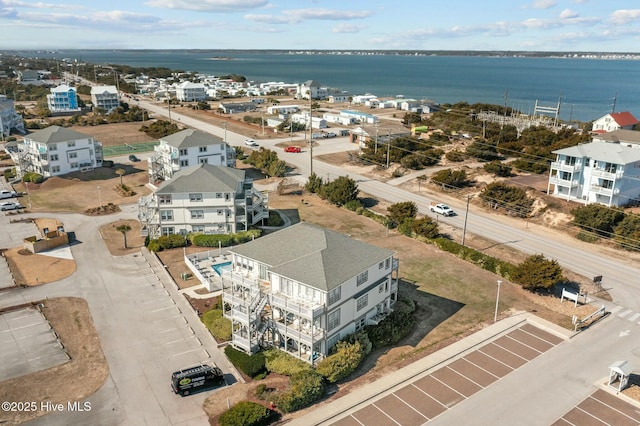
x=530, y=25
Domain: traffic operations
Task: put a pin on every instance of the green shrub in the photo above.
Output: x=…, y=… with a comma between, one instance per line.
x=353, y=205
x=251, y=365
x=455, y=156
x=218, y=325
x=172, y=241
x=9, y=173
x=280, y=362
x=261, y=389
x=394, y=327
x=247, y=413
x=275, y=219
x=224, y=240
x=343, y=362
x=305, y=387
x=154, y=245
x=587, y=237
x=33, y=177
x=406, y=227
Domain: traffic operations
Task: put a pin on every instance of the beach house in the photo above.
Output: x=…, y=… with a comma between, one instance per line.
x=316, y=288
x=105, y=98
x=203, y=198
x=63, y=100
x=614, y=121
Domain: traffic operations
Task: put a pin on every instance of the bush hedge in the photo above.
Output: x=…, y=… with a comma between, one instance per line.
x=33, y=177
x=394, y=327
x=172, y=241
x=480, y=259
x=280, y=362
x=343, y=362
x=224, y=240
x=246, y=413
x=251, y=365
x=218, y=325
x=305, y=388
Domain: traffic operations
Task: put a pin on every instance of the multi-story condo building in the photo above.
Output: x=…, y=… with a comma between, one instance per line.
x=105, y=97
x=9, y=118
x=55, y=151
x=63, y=100
x=203, y=198
x=191, y=92
x=596, y=172
x=188, y=148
x=304, y=288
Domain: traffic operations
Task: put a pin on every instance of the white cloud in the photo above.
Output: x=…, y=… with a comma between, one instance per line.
x=568, y=13
x=295, y=16
x=209, y=5
x=348, y=28
x=543, y=4
x=624, y=16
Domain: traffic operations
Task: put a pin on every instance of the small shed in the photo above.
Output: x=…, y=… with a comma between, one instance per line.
x=619, y=373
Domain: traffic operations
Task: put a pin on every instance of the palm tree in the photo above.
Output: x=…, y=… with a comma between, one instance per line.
x=124, y=228
x=120, y=172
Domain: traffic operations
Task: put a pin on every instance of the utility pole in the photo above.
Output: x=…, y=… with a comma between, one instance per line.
x=615, y=98
x=466, y=214
x=388, y=147
x=310, y=134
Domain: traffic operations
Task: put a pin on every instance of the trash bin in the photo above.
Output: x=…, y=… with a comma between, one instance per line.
x=184, y=276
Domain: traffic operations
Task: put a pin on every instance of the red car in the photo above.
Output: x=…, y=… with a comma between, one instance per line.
x=292, y=149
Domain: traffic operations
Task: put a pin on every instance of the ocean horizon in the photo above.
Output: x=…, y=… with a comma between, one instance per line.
x=585, y=88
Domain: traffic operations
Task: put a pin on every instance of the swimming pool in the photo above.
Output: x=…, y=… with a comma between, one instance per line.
x=219, y=266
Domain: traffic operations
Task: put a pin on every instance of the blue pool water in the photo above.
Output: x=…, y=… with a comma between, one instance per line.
x=219, y=266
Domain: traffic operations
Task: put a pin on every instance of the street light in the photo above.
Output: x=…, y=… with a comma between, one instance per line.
x=495, y=315
x=99, y=198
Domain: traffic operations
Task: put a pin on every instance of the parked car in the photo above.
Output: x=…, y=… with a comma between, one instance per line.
x=292, y=149
x=250, y=142
x=442, y=209
x=331, y=135
x=7, y=194
x=10, y=205
x=133, y=158
x=186, y=381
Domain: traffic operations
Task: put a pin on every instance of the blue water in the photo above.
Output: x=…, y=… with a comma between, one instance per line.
x=220, y=266
x=587, y=87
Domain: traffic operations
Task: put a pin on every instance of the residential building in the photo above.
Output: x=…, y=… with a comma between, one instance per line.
x=336, y=99
x=235, y=107
x=304, y=297
x=191, y=92
x=631, y=138
x=361, y=117
x=204, y=198
x=188, y=148
x=596, y=172
x=313, y=89
x=105, y=98
x=9, y=118
x=63, y=100
x=29, y=77
x=614, y=121
x=56, y=151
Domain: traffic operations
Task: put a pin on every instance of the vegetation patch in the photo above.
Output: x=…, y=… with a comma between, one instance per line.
x=246, y=413
x=250, y=365
x=218, y=325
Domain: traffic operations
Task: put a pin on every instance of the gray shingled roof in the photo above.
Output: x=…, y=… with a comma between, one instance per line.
x=190, y=137
x=56, y=134
x=603, y=151
x=620, y=135
x=312, y=255
x=203, y=178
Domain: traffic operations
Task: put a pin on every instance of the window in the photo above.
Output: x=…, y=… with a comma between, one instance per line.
x=362, y=278
x=184, y=163
x=360, y=323
x=197, y=214
x=73, y=165
x=53, y=157
x=166, y=214
x=164, y=199
x=334, y=296
x=387, y=263
x=197, y=228
x=55, y=169
x=333, y=340
x=204, y=161
x=196, y=196
x=333, y=319
x=362, y=302
x=52, y=147
x=202, y=149
x=71, y=144
x=380, y=288
x=183, y=152
x=73, y=155
x=380, y=265
x=167, y=230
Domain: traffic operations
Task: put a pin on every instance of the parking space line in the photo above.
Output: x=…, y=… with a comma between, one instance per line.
x=634, y=317
x=524, y=344
x=385, y=413
x=186, y=352
x=625, y=313
x=481, y=368
x=162, y=309
x=169, y=318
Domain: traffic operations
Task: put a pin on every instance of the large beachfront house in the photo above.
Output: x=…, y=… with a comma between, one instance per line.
x=63, y=100
x=614, y=121
x=597, y=172
x=188, y=148
x=9, y=118
x=105, y=98
x=55, y=151
x=203, y=198
x=191, y=92
x=304, y=288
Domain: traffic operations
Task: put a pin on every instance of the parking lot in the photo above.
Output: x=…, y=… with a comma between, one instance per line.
x=430, y=395
x=28, y=343
x=601, y=408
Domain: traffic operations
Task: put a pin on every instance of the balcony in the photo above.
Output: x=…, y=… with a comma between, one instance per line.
x=302, y=308
x=604, y=191
x=306, y=334
x=564, y=167
x=604, y=174
x=562, y=182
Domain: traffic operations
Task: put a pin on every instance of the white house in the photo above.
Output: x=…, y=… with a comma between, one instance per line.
x=596, y=172
x=56, y=151
x=303, y=118
x=614, y=121
x=188, y=148
x=313, y=89
x=63, y=100
x=282, y=109
x=203, y=198
x=337, y=99
x=316, y=288
x=191, y=92
x=338, y=118
x=105, y=97
x=361, y=99
x=360, y=117
x=9, y=118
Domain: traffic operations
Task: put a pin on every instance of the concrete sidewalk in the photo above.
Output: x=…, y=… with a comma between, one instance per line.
x=329, y=413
